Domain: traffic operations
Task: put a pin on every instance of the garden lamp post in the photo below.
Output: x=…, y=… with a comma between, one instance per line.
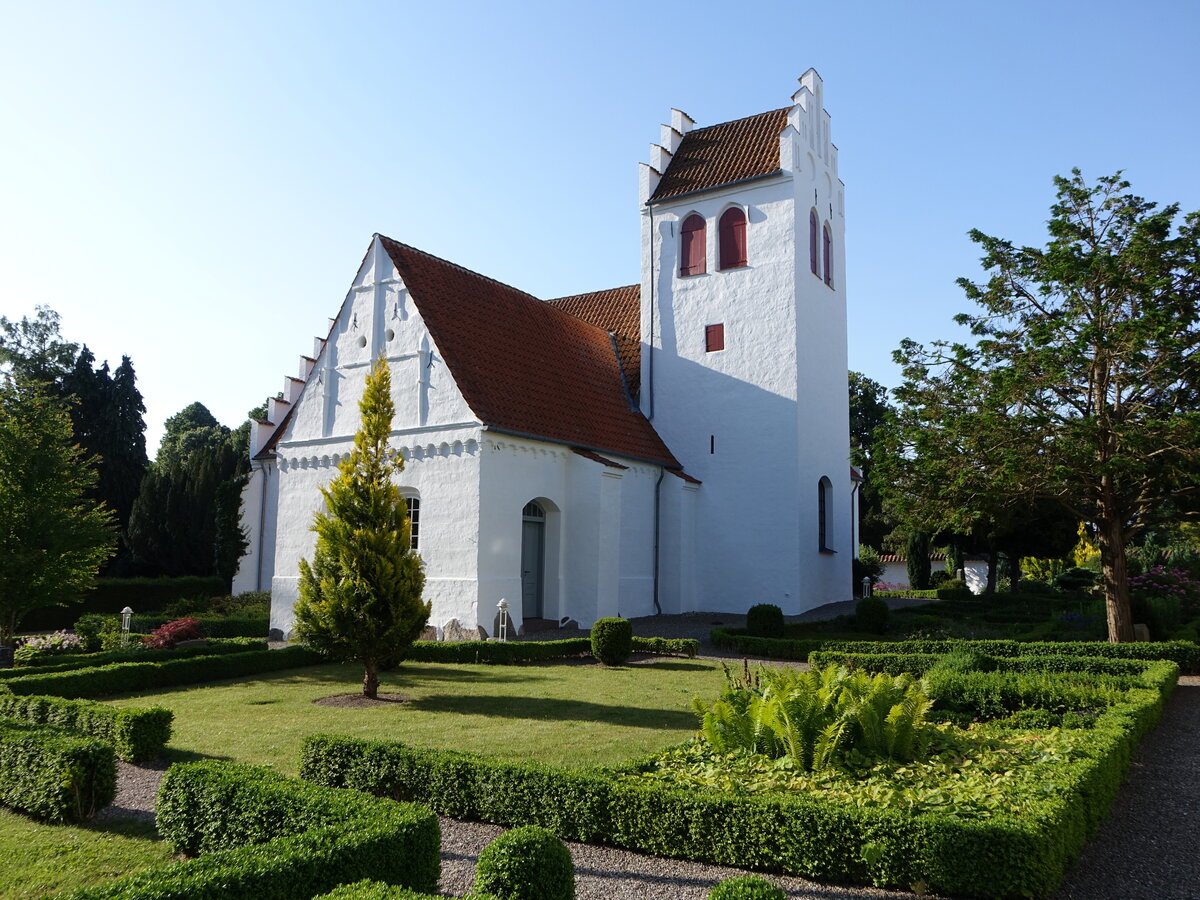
x=126, y=616
x=866, y=586
x=502, y=631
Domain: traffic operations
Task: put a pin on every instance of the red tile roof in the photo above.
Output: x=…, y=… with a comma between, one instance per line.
x=525, y=367
x=618, y=310
x=722, y=154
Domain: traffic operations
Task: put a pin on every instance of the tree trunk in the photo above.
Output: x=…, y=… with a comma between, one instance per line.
x=371, y=679
x=993, y=565
x=1111, y=537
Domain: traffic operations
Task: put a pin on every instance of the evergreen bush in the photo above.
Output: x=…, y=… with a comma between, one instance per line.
x=135, y=734
x=871, y=615
x=612, y=641
x=765, y=620
x=526, y=863
x=746, y=887
x=54, y=775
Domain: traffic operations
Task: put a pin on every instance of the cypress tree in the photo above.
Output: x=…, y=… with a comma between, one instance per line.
x=360, y=599
x=918, y=561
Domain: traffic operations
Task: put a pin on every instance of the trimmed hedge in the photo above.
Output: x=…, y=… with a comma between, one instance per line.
x=261, y=836
x=806, y=835
x=526, y=863
x=770, y=648
x=124, y=678
x=511, y=652
x=256, y=626
x=1185, y=653
x=612, y=640
x=747, y=887
x=53, y=775
x=764, y=620
x=377, y=890
x=111, y=595
x=135, y=734
x=67, y=662
x=948, y=593
x=920, y=663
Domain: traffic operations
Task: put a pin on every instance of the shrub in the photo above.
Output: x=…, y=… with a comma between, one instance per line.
x=612, y=641
x=765, y=620
x=110, y=595
x=134, y=653
x=165, y=637
x=963, y=661
x=938, y=578
x=510, y=652
x=88, y=628
x=122, y=678
x=814, y=718
x=135, y=734
x=746, y=887
x=53, y=775
x=526, y=863
x=1074, y=580
x=871, y=615
x=261, y=836
x=377, y=890
x=43, y=646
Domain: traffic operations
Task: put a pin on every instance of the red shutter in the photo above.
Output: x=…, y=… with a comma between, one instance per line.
x=827, y=252
x=813, y=227
x=732, y=233
x=691, y=247
x=714, y=338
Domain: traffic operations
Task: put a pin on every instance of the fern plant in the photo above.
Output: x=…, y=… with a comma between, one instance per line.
x=814, y=717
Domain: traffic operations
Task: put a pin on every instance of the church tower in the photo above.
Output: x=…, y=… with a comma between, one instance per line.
x=744, y=362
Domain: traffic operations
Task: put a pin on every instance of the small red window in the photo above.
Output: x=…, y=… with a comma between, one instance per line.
x=714, y=338
x=732, y=232
x=813, y=228
x=691, y=250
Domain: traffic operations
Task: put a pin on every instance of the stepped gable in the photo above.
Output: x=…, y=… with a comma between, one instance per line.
x=524, y=366
x=618, y=310
x=722, y=154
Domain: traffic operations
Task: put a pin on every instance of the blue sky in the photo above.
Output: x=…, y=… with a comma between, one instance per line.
x=194, y=184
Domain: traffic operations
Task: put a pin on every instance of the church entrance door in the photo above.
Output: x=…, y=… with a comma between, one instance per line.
x=533, y=560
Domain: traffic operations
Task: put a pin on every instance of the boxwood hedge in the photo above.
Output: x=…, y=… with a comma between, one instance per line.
x=67, y=662
x=135, y=734
x=508, y=652
x=54, y=775
x=377, y=890
x=261, y=836
x=120, y=678
x=807, y=835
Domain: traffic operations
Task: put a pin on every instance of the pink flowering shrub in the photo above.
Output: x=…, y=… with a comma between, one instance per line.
x=165, y=637
x=1173, y=584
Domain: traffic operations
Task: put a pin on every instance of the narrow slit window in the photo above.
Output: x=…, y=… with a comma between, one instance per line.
x=827, y=253
x=714, y=338
x=414, y=519
x=814, y=229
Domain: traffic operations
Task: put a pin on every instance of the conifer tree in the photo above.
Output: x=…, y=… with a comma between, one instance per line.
x=360, y=599
x=52, y=537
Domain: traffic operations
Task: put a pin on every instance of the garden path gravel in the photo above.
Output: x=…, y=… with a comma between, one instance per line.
x=1145, y=850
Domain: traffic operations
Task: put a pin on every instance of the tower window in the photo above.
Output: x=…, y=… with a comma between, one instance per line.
x=414, y=519
x=814, y=229
x=714, y=338
x=691, y=250
x=732, y=233
x=824, y=498
x=827, y=253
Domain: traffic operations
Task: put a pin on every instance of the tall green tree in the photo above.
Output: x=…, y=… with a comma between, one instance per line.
x=36, y=348
x=869, y=409
x=53, y=538
x=1082, y=382
x=360, y=599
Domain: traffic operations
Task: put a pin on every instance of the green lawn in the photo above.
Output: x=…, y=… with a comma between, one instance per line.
x=37, y=859
x=558, y=714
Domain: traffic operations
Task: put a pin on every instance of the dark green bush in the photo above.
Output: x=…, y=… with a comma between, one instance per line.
x=122, y=678
x=377, y=890
x=963, y=661
x=88, y=628
x=612, y=641
x=1074, y=579
x=252, y=626
x=771, y=648
x=806, y=835
x=871, y=615
x=261, y=836
x=765, y=620
x=111, y=595
x=135, y=734
x=938, y=578
x=54, y=775
x=511, y=652
x=135, y=653
x=526, y=863
x=747, y=887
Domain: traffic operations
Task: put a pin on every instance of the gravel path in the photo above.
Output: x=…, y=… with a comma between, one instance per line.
x=1146, y=850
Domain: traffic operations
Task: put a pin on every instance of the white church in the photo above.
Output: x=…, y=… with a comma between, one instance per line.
x=671, y=446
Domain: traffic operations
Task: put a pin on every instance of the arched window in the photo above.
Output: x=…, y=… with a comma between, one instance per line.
x=414, y=518
x=827, y=253
x=814, y=229
x=691, y=248
x=732, y=234
x=824, y=523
